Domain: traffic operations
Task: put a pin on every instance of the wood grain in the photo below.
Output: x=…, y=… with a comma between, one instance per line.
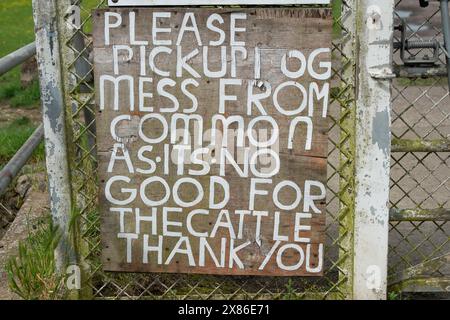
x=274, y=31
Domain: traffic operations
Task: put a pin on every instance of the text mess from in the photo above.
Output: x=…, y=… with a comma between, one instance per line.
x=212, y=139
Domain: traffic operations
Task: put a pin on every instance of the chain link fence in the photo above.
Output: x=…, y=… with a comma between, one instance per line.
x=336, y=282
x=419, y=180
x=420, y=169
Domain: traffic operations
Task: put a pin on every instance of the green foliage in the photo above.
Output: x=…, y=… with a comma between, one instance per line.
x=394, y=295
x=16, y=25
x=27, y=97
x=8, y=90
x=290, y=293
x=31, y=274
x=13, y=136
x=336, y=8
x=22, y=121
x=16, y=30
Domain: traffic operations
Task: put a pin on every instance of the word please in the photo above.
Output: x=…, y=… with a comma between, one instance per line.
x=113, y=20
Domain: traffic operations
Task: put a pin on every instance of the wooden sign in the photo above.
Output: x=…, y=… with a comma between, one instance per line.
x=212, y=139
x=128, y=3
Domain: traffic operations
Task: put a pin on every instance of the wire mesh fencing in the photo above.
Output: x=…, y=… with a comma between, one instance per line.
x=336, y=282
x=420, y=171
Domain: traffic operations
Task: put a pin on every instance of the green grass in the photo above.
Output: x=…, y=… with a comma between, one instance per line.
x=16, y=25
x=16, y=30
x=336, y=8
x=31, y=273
x=13, y=136
x=17, y=96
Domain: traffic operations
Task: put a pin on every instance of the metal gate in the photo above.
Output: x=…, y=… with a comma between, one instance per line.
x=69, y=120
x=419, y=244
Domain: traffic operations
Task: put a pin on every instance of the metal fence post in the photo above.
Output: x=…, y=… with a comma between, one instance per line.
x=346, y=122
x=446, y=33
x=49, y=62
x=374, y=27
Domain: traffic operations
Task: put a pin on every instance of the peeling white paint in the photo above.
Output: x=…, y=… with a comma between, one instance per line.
x=373, y=150
x=374, y=18
x=49, y=64
x=382, y=73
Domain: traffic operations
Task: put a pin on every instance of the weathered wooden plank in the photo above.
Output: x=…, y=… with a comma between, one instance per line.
x=289, y=23
x=126, y=3
x=267, y=227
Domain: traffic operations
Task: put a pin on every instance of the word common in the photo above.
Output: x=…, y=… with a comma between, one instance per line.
x=212, y=139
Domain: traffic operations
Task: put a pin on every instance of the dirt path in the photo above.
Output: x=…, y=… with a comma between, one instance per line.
x=8, y=114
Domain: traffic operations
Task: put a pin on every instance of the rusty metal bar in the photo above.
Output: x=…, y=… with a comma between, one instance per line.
x=417, y=278
x=421, y=270
x=12, y=168
x=402, y=71
x=419, y=145
x=439, y=214
x=423, y=284
x=17, y=57
x=346, y=147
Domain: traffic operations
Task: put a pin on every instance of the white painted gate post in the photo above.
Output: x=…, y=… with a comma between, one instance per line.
x=53, y=110
x=374, y=27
